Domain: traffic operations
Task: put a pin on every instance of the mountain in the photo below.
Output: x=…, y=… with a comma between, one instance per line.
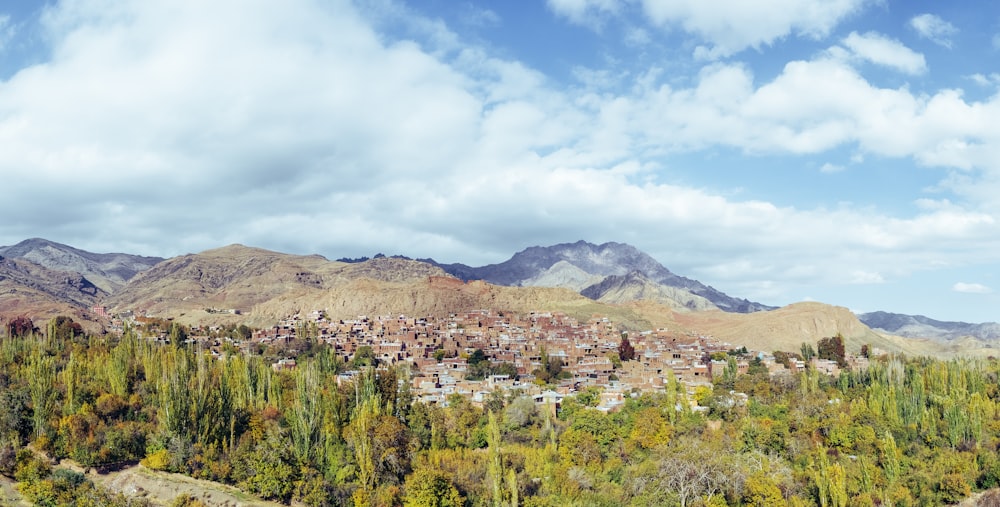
x=918, y=326
x=41, y=293
x=109, y=271
x=634, y=286
x=584, y=267
x=786, y=328
x=266, y=286
x=580, y=279
x=238, y=277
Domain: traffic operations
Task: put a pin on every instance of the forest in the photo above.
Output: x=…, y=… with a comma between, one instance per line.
x=904, y=431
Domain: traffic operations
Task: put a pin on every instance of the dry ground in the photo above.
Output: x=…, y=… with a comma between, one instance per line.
x=161, y=488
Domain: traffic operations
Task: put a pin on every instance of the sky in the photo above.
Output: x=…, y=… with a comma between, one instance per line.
x=843, y=151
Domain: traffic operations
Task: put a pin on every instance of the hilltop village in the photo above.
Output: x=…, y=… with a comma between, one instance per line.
x=477, y=353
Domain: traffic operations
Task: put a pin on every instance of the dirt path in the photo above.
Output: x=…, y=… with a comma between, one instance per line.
x=162, y=488
x=9, y=495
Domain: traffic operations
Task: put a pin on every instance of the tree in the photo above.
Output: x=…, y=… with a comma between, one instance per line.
x=265, y=467
x=808, y=352
x=759, y=490
x=64, y=328
x=178, y=334
x=361, y=435
x=477, y=356
x=41, y=385
x=20, y=326
x=626, y=352
x=364, y=357
x=431, y=487
x=690, y=471
x=832, y=348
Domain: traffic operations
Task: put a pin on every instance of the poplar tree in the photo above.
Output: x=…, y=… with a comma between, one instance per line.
x=41, y=373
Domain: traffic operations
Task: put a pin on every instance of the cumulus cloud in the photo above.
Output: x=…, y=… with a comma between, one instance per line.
x=932, y=27
x=182, y=125
x=971, y=288
x=882, y=50
x=730, y=26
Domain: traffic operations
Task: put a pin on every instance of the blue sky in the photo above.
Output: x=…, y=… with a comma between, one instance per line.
x=846, y=151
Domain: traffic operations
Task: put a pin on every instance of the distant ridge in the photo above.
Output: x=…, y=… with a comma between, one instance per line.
x=548, y=266
x=918, y=326
x=42, y=279
x=108, y=271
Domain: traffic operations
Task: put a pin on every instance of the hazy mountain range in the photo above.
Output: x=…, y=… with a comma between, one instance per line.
x=41, y=279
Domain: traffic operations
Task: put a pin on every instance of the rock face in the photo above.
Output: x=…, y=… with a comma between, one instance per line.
x=635, y=287
x=108, y=271
x=918, y=326
x=41, y=293
x=573, y=265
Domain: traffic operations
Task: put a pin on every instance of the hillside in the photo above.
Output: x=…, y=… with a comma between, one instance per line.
x=29, y=289
x=266, y=286
x=441, y=295
x=618, y=289
x=788, y=327
x=240, y=278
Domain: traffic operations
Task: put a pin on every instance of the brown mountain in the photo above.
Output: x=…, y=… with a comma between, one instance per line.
x=788, y=327
x=41, y=293
x=265, y=286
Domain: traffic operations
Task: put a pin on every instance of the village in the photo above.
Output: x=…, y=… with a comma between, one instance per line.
x=440, y=354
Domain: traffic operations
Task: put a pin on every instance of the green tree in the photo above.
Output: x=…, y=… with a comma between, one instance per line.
x=832, y=348
x=265, y=467
x=41, y=375
x=431, y=487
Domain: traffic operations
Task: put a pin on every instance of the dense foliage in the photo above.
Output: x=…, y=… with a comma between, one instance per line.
x=901, y=432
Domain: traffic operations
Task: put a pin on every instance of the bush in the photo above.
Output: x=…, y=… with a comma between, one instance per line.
x=158, y=460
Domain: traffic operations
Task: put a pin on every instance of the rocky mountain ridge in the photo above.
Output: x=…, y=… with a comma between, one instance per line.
x=108, y=271
x=580, y=279
x=919, y=326
x=549, y=266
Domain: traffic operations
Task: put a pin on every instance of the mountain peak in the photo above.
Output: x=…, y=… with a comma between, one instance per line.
x=583, y=264
x=108, y=271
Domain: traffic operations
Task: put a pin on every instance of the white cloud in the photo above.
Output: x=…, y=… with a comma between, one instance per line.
x=7, y=32
x=476, y=16
x=730, y=26
x=971, y=288
x=865, y=278
x=932, y=27
x=983, y=80
x=637, y=37
x=829, y=168
x=882, y=50
x=189, y=125
x=590, y=13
